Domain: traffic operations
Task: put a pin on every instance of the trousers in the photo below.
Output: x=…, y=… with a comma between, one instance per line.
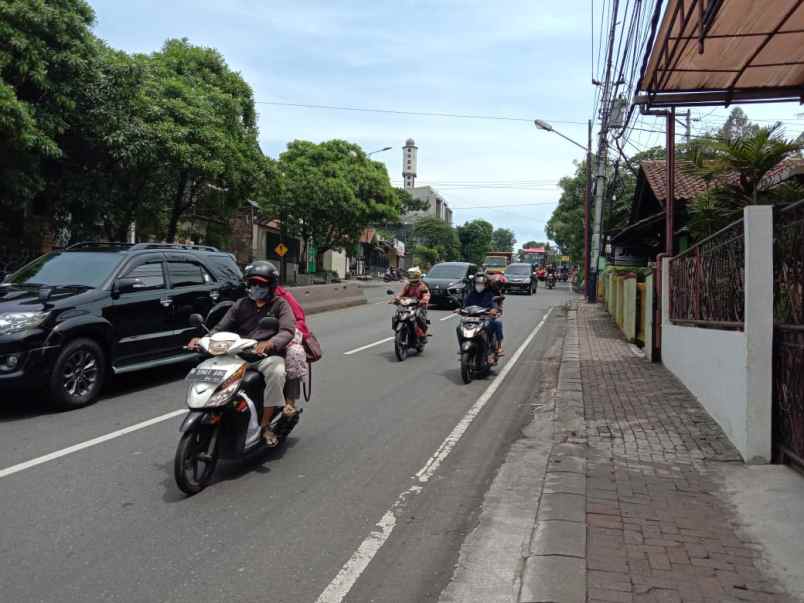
x=273, y=371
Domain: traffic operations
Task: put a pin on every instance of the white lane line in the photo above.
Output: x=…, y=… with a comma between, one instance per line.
x=340, y=586
x=365, y=347
x=89, y=443
x=447, y=317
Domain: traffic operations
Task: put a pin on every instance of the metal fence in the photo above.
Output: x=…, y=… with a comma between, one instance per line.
x=788, y=334
x=707, y=281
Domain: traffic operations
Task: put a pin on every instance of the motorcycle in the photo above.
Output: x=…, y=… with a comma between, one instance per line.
x=551, y=281
x=392, y=275
x=476, y=343
x=406, y=335
x=225, y=398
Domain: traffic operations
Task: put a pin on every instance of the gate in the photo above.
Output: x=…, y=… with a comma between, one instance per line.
x=788, y=334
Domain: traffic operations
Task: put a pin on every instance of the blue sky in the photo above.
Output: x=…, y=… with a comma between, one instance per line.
x=525, y=59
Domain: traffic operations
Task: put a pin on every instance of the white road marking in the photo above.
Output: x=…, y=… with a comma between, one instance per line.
x=89, y=443
x=365, y=347
x=340, y=586
x=447, y=317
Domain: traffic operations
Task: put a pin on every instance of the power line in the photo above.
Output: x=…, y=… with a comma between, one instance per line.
x=416, y=113
x=504, y=206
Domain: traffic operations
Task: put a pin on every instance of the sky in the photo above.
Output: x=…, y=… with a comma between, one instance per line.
x=520, y=60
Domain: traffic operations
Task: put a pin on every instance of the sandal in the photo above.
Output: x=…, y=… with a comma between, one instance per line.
x=270, y=438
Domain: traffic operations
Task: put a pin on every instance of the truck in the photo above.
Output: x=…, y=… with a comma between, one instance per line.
x=496, y=261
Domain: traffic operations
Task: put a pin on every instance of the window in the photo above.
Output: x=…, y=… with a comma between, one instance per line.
x=225, y=268
x=86, y=269
x=150, y=276
x=186, y=274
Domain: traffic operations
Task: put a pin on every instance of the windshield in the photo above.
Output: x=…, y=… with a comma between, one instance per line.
x=518, y=269
x=85, y=269
x=495, y=261
x=445, y=271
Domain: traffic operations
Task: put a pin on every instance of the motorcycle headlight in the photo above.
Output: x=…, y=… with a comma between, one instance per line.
x=218, y=348
x=228, y=388
x=13, y=322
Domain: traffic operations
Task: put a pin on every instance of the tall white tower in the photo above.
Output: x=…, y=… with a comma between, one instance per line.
x=409, y=164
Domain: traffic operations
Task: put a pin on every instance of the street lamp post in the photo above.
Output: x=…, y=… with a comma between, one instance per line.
x=379, y=151
x=543, y=125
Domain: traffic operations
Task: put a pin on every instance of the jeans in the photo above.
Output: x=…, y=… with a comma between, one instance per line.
x=496, y=328
x=273, y=371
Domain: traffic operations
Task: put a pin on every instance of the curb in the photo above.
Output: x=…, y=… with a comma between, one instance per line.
x=554, y=567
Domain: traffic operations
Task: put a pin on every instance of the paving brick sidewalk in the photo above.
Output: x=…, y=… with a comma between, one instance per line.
x=658, y=526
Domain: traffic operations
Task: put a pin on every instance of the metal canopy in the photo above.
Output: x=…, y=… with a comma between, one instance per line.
x=718, y=52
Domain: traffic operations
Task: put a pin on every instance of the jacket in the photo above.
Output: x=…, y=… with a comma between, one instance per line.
x=244, y=317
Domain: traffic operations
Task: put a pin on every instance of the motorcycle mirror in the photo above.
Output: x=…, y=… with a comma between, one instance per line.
x=196, y=320
x=389, y=291
x=269, y=323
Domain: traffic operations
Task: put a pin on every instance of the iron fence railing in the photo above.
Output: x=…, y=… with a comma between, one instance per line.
x=707, y=281
x=788, y=333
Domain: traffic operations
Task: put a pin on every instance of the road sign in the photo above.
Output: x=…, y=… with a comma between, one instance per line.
x=281, y=249
x=565, y=258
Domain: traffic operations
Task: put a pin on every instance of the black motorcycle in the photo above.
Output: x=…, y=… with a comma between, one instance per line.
x=551, y=281
x=476, y=342
x=403, y=323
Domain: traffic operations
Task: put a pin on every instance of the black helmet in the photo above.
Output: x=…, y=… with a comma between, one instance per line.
x=262, y=271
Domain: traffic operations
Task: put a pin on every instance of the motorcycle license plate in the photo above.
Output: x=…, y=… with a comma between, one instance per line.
x=201, y=375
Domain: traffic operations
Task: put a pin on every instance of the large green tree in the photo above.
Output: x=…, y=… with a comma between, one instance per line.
x=439, y=240
x=329, y=192
x=503, y=239
x=475, y=238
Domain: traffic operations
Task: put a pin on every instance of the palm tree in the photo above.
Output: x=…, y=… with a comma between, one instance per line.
x=735, y=174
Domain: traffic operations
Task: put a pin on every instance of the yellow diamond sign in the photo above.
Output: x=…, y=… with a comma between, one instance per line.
x=281, y=249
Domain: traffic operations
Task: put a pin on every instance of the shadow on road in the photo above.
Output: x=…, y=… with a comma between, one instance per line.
x=18, y=405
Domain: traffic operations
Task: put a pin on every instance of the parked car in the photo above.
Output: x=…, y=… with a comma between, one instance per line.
x=447, y=282
x=72, y=318
x=522, y=278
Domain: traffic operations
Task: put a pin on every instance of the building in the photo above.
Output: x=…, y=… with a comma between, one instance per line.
x=409, y=164
x=437, y=205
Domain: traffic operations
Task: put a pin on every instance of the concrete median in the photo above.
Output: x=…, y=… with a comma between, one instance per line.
x=322, y=298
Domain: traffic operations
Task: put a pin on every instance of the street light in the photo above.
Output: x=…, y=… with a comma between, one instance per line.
x=587, y=268
x=379, y=151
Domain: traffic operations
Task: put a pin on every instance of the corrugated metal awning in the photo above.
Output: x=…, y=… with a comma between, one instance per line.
x=718, y=52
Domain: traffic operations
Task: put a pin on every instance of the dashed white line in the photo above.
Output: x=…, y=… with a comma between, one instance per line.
x=340, y=586
x=89, y=443
x=447, y=317
x=365, y=347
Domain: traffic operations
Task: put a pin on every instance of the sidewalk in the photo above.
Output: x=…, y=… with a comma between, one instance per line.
x=639, y=497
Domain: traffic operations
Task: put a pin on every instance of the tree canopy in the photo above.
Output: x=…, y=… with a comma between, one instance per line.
x=502, y=239
x=475, y=240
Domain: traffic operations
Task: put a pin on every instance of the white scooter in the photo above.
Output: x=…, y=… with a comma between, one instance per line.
x=225, y=398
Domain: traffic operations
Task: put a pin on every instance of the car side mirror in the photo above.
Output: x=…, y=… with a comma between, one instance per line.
x=269, y=323
x=127, y=284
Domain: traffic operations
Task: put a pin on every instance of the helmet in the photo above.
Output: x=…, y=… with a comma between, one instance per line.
x=414, y=274
x=262, y=272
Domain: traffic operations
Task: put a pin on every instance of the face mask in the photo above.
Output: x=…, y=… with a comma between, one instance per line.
x=260, y=292
x=480, y=288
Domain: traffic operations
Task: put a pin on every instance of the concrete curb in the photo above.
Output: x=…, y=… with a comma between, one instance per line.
x=554, y=567
x=323, y=298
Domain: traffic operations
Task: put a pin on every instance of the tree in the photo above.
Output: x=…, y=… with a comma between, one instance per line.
x=45, y=55
x=532, y=244
x=409, y=203
x=475, y=239
x=438, y=236
x=203, y=117
x=329, y=192
x=737, y=126
x=502, y=239
x=565, y=225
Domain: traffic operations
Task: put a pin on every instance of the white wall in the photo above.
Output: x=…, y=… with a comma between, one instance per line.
x=730, y=371
x=336, y=261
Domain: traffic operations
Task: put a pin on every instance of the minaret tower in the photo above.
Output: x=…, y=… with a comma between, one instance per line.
x=409, y=164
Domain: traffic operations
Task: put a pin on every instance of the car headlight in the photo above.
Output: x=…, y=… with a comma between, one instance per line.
x=13, y=322
x=228, y=388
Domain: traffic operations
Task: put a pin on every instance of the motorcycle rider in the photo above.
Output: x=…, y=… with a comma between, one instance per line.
x=244, y=317
x=416, y=289
x=482, y=295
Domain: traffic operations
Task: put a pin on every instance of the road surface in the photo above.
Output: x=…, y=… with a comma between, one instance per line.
x=101, y=519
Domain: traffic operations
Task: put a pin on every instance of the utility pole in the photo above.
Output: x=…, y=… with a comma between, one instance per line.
x=600, y=172
x=587, y=204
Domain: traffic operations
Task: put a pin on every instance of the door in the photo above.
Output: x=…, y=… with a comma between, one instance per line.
x=140, y=314
x=193, y=290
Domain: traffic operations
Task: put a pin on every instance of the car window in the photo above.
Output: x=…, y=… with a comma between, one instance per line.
x=188, y=274
x=226, y=268
x=150, y=275
x=447, y=271
x=87, y=269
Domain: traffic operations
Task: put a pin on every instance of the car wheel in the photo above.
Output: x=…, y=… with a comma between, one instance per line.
x=78, y=374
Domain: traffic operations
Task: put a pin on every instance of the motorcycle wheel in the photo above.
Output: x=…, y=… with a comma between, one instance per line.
x=192, y=472
x=466, y=367
x=401, y=345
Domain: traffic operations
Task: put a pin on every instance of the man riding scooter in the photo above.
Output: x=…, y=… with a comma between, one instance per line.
x=415, y=288
x=483, y=295
x=244, y=317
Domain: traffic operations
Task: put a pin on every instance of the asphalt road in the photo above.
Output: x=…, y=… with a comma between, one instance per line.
x=107, y=522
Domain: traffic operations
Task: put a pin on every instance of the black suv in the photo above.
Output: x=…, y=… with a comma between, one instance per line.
x=447, y=282
x=73, y=317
